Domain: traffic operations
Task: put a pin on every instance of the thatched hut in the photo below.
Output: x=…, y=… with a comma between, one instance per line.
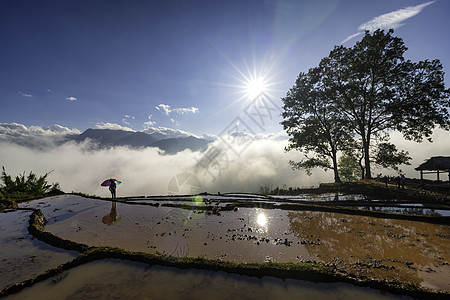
x=435, y=165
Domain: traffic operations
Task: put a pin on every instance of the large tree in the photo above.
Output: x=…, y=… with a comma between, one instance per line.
x=372, y=90
x=313, y=124
x=378, y=91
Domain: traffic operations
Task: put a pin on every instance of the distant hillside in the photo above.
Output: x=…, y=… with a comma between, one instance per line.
x=108, y=138
x=172, y=146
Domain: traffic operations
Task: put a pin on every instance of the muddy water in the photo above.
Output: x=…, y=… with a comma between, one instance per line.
x=366, y=246
x=22, y=256
x=381, y=248
x=116, y=279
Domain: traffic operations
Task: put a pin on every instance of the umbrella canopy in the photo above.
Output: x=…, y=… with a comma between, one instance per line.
x=107, y=182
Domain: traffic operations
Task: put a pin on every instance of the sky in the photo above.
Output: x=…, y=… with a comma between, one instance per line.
x=186, y=65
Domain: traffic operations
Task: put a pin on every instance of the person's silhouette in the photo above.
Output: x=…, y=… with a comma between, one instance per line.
x=112, y=188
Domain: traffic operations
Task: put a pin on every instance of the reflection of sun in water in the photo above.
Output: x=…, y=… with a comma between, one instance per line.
x=261, y=220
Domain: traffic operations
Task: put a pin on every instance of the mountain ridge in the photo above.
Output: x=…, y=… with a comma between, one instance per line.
x=138, y=139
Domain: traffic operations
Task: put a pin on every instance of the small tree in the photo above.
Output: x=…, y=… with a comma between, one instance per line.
x=349, y=168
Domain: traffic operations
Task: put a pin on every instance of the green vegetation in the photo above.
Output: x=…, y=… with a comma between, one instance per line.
x=349, y=168
x=25, y=188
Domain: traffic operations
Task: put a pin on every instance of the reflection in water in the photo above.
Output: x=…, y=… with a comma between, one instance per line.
x=21, y=255
x=383, y=248
x=107, y=279
x=112, y=218
x=262, y=221
x=367, y=246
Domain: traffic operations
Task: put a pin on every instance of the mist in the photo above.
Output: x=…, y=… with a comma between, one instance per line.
x=148, y=171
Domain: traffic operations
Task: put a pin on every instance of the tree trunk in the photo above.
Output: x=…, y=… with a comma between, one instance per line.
x=367, y=159
x=337, y=179
x=361, y=167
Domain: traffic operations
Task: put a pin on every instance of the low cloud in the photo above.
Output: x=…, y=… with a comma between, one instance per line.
x=111, y=126
x=169, y=132
x=390, y=20
x=34, y=136
x=149, y=172
x=71, y=99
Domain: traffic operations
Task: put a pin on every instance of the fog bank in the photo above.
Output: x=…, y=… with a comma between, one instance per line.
x=148, y=171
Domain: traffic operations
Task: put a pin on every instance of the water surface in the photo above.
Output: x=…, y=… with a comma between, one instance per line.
x=117, y=279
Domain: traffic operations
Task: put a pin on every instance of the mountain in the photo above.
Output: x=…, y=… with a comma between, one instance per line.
x=109, y=138
x=172, y=146
x=137, y=140
x=105, y=137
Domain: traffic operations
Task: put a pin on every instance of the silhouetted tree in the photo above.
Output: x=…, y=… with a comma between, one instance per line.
x=313, y=123
x=364, y=92
x=388, y=156
x=377, y=90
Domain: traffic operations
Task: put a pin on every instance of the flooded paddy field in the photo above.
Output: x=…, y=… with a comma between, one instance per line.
x=244, y=229
x=118, y=279
x=22, y=256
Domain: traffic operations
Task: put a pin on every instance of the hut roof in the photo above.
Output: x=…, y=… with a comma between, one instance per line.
x=441, y=163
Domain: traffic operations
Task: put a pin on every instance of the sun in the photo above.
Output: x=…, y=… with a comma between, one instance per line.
x=255, y=81
x=255, y=87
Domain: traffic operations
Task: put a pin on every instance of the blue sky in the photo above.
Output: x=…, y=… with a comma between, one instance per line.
x=182, y=64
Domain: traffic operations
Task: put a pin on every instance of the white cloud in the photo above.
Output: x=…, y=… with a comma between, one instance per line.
x=126, y=118
x=165, y=108
x=25, y=95
x=351, y=37
x=34, y=136
x=148, y=172
x=111, y=126
x=169, y=132
x=71, y=99
x=390, y=20
x=149, y=123
x=210, y=137
x=15, y=129
x=186, y=110
x=179, y=110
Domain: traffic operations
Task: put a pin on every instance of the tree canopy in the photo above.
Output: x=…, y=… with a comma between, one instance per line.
x=357, y=95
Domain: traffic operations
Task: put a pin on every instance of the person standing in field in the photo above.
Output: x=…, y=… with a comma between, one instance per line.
x=112, y=188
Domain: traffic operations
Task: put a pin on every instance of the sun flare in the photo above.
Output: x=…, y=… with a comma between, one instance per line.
x=255, y=87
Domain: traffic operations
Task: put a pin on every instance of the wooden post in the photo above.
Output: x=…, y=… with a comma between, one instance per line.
x=438, y=175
